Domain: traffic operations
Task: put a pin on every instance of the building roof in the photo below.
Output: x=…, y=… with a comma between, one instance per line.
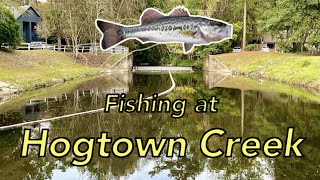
x=19, y=11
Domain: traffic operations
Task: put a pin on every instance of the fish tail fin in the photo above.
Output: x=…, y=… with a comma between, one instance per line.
x=110, y=34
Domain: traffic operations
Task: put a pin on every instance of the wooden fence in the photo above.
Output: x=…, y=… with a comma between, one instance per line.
x=82, y=48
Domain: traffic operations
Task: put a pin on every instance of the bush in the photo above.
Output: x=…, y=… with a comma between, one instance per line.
x=180, y=61
x=217, y=48
x=251, y=47
x=284, y=46
x=306, y=63
x=9, y=28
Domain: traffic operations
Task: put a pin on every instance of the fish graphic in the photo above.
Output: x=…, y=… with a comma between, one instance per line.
x=178, y=26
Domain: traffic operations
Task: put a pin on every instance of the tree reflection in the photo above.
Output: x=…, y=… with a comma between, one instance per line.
x=266, y=114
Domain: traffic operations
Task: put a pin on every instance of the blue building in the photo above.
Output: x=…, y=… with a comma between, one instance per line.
x=28, y=18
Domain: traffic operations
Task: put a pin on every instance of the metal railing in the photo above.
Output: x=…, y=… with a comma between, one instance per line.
x=161, y=68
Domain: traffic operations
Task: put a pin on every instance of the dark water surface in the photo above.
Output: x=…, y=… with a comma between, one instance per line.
x=265, y=114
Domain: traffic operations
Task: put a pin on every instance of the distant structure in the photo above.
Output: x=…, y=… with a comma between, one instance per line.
x=28, y=18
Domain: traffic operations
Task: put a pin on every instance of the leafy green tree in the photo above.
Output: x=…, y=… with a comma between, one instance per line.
x=9, y=28
x=292, y=21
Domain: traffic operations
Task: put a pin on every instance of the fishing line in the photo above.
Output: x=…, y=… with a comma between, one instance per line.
x=81, y=113
x=95, y=110
x=137, y=50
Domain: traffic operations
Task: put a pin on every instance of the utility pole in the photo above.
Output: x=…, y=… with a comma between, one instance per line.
x=244, y=24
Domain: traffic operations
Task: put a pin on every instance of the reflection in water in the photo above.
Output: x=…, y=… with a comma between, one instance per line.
x=243, y=113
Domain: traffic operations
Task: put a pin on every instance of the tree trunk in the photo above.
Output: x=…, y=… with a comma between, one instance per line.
x=244, y=24
x=303, y=42
x=59, y=41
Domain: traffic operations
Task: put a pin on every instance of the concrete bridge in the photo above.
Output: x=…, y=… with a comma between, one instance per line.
x=161, y=68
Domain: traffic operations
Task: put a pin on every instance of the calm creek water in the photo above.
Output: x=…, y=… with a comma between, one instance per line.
x=266, y=113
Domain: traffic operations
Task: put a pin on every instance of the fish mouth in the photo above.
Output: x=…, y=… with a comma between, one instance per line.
x=226, y=33
x=229, y=31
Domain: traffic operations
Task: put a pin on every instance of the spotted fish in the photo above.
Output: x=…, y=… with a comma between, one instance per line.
x=178, y=26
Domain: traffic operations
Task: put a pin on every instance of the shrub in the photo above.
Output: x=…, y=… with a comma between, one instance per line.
x=216, y=48
x=251, y=47
x=180, y=61
x=9, y=28
x=284, y=46
x=306, y=63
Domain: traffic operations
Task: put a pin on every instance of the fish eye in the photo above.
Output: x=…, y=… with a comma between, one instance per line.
x=212, y=23
x=216, y=23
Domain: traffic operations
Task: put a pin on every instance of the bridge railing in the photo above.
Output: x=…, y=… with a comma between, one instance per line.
x=118, y=50
x=161, y=68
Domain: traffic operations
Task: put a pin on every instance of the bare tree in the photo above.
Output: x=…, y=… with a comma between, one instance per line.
x=44, y=29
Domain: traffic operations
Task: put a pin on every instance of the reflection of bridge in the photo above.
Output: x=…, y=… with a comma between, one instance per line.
x=38, y=108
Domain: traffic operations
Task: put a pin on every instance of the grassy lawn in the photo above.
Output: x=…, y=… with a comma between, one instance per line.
x=289, y=68
x=29, y=69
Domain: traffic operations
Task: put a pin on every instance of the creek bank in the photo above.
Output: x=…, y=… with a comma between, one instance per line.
x=292, y=69
x=260, y=77
x=22, y=71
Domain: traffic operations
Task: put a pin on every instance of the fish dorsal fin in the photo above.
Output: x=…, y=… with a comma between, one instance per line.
x=187, y=47
x=179, y=11
x=150, y=15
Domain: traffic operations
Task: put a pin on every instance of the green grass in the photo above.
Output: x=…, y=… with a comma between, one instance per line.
x=30, y=69
x=289, y=68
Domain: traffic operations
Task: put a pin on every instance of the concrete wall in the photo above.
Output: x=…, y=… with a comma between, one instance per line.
x=125, y=64
x=212, y=79
x=212, y=64
x=215, y=72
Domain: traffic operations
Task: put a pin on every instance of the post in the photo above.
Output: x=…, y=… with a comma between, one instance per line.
x=77, y=48
x=244, y=24
x=30, y=31
x=242, y=112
